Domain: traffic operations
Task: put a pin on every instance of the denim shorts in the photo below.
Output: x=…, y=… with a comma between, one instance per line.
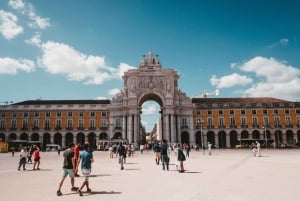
x=67, y=172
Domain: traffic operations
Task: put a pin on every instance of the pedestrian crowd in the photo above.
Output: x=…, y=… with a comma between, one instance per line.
x=75, y=160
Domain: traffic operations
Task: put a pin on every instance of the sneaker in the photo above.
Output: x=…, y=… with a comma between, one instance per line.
x=74, y=189
x=58, y=193
x=88, y=190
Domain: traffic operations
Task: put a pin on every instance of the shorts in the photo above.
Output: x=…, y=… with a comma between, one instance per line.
x=69, y=172
x=86, y=173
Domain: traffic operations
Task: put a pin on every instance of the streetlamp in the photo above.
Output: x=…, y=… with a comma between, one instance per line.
x=202, y=136
x=203, y=145
x=266, y=137
x=276, y=133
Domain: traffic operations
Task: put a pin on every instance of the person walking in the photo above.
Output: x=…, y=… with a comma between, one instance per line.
x=86, y=158
x=258, y=149
x=22, y=161
x=68, y=168
x=36, y=158
x=187, y=150
x=180, y=157
x=209, y=148
x=164, y=154
x=122, y=154
x=29, y=154
x=76, y=156
x=157, y=152
x=253, y=148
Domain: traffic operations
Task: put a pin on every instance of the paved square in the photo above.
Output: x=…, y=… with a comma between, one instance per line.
x=226, y=175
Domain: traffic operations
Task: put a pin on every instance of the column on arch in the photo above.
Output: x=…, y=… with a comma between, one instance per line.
x=129, y=128
x=173, y=129
x=166, y=126
x=136, y=127
x=124, y=127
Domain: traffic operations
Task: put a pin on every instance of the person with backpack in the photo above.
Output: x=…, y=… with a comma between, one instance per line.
x=122, y=154
x=180, y=157
x=164, y=154
x=157, y=152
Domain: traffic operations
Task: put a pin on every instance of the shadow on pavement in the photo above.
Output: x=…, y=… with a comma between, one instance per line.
x=100, y=175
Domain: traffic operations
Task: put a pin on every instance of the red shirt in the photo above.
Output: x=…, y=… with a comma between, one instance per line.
x=76, y=151
x=36, y=154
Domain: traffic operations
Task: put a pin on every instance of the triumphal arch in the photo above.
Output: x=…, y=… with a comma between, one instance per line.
x=152, y=82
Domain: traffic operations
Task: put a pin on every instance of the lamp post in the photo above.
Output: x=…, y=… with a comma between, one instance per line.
x=266, y=136
x=202, y=136
x=203, y=145
x=276, y=133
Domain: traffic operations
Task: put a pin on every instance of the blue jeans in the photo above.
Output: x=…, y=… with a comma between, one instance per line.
x=165, y=161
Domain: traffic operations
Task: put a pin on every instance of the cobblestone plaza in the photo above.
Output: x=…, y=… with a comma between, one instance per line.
x=226, y=175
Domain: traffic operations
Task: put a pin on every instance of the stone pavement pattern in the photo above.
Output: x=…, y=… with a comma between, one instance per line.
x=227, y=175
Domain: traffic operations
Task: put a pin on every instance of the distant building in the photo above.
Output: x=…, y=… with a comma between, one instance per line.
x=222, y=121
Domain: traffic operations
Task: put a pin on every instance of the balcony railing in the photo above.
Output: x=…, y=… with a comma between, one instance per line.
x=184, y=127
x=35, y=128
x=103, y=128
x=24, y=128
x=244, y=126
x=210, y=126
x=233, y=126
x=118, y=127
x=222, y=126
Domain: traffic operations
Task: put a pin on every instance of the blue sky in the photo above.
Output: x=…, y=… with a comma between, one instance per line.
x=78, y=49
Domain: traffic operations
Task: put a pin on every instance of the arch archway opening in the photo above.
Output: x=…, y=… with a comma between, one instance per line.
x=150, y=118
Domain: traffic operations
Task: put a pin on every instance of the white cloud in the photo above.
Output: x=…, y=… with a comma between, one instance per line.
x=150, y=108
x=16, y=4
x=114, y=91
x=270, y=69
x=284, y=41
x=35, y=40
x=8, y=25
x=28, y=10
x=59, y=58
x=281, y=42
x=276, y=79
x=124, y=68
x=12, y=66
x=100, y=98
x=38, y=22
x=228, y=81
